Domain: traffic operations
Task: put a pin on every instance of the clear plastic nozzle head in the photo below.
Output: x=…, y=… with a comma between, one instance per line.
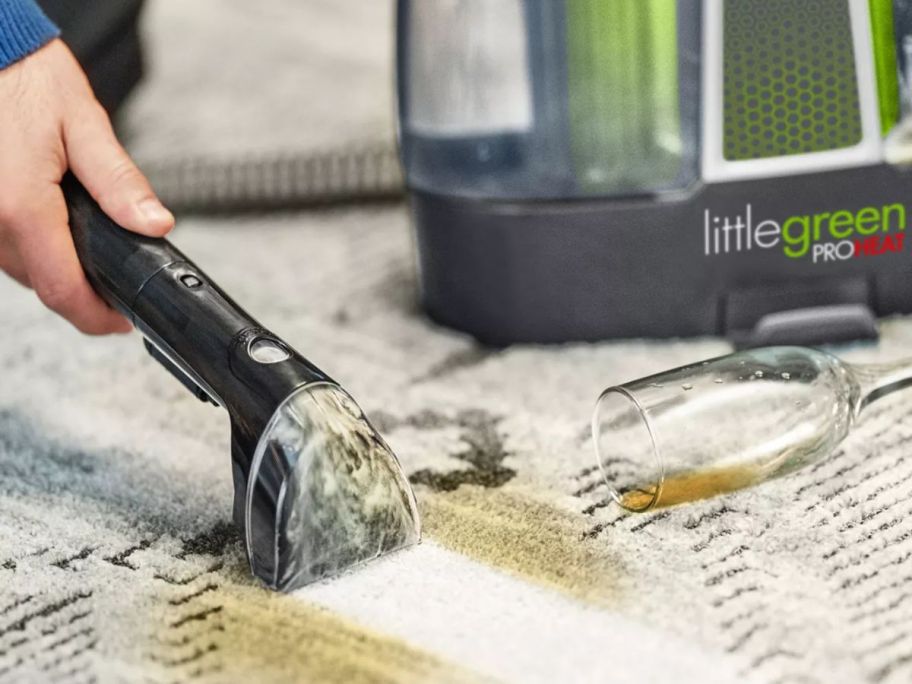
x=324, y=493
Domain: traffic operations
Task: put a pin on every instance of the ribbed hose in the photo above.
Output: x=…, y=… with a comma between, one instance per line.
x=369, y=173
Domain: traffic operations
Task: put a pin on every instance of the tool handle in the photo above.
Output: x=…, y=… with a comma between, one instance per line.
x=116, y=262
x=195, y=329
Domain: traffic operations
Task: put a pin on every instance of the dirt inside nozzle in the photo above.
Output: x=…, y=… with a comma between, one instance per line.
x=346, y=500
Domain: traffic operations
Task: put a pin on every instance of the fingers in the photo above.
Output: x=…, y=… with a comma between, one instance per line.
x=46, y=97
x=110, y=176
x=52, y=268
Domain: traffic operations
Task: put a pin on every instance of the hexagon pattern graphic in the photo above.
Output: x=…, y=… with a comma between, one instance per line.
x=790, y=83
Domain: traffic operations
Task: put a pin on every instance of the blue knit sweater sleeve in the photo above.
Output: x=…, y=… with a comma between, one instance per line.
x=23, y=29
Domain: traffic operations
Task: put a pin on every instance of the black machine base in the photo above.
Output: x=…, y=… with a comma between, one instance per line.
x=665, y=267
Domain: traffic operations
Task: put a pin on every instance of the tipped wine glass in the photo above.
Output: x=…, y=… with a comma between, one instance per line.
x=731, y=422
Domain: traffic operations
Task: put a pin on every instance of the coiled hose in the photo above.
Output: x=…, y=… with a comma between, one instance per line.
x=204, y=185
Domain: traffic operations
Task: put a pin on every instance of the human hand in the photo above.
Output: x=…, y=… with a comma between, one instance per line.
x=51, y=121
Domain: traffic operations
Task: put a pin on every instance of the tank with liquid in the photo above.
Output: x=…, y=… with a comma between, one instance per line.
x=548, y=99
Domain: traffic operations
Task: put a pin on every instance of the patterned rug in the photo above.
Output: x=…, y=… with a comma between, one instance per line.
x=118, y=562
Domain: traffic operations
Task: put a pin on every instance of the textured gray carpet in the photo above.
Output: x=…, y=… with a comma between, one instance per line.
x=117, y=560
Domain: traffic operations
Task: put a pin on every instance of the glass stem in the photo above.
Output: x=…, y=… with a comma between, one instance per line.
x=876, y=380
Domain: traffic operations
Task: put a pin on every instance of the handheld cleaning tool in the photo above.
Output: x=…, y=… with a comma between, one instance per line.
x=317, y=490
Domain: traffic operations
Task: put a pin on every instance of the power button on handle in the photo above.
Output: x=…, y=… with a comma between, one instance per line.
x=191, y=281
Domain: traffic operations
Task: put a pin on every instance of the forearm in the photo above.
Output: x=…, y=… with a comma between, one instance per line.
x=23, y=29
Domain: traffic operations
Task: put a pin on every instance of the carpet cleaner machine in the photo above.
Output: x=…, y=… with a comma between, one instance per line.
x=592, y=169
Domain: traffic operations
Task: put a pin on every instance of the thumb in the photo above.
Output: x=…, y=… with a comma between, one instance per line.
x=110, y=176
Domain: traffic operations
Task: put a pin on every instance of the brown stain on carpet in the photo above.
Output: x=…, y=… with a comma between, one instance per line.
x=243, y=633
x=514, y=532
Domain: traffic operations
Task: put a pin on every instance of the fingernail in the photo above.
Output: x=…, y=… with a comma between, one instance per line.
x=154, y=212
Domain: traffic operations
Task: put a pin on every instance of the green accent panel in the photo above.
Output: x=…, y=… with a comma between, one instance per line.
x=790, y=85
x=885, y=63
x=622, y=81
